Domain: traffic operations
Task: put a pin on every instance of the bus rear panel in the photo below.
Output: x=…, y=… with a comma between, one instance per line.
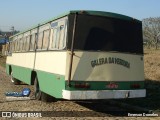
x=108, y=58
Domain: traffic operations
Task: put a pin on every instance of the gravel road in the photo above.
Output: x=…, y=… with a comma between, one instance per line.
x=57, y=107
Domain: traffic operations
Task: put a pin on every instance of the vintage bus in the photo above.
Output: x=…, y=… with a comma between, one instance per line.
x=80, y=55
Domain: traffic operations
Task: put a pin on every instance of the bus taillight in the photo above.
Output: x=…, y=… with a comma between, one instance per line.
x=135, y=86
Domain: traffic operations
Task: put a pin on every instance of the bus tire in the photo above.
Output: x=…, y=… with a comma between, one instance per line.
x=14, y=80
x=46, y=98
x=37, y=91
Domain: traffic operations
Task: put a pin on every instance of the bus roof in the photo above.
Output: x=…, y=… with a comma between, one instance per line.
x=88, y=12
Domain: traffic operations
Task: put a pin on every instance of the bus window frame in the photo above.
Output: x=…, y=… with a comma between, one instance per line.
x=56, y=43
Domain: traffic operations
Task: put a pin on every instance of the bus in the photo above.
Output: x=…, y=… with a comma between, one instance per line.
x=80, y=55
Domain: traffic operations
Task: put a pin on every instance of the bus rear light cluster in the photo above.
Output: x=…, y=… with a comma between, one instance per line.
x=82, y=85
x=135, y=86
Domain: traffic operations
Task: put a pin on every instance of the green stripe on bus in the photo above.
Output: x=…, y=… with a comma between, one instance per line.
x=104, y=85
x=21, y=73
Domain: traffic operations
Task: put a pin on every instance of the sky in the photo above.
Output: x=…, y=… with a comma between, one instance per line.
x=23, y=14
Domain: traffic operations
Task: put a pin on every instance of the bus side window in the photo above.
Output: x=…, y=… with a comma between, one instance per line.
x=20, y=44
x=32, y=43
x=17, y=45
x=13, y=44
x=17, y=49
x=45, y=39
x=24, y=43
x=27, y=42
x=57, y=36
x=10, y=47
x=61, y=43
x=53, y=38
x=39, y=42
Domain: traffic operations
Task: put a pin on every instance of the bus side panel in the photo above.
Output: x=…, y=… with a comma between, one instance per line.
x=21, y=65
x=51, y=61
x=50, y=67
x=51, y=84
x=22, y=73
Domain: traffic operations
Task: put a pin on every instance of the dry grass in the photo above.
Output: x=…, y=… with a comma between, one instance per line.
x=152, y=64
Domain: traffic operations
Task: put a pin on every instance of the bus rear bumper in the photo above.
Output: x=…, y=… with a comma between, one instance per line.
x=102, y=94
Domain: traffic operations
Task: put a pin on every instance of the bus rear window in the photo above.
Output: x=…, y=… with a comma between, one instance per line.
x=97, y=33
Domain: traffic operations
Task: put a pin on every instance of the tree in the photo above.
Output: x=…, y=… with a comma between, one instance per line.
x=151, y=31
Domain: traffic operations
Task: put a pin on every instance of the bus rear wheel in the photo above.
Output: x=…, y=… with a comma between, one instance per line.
x=37, y=91
x=14, y=80
x=39, y=95
x=46, y=98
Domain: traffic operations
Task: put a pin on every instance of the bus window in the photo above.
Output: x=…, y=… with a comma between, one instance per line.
x=20, y=44
x=107, y=34
x=55, y=38
x=27, y=42
x=53, y=41
x=17, y=45
x=24, y=43
x=39, y=42
x=32, y=43
x=10, y=47
x=61, y=38
x=13, y=44
x=45, y=39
